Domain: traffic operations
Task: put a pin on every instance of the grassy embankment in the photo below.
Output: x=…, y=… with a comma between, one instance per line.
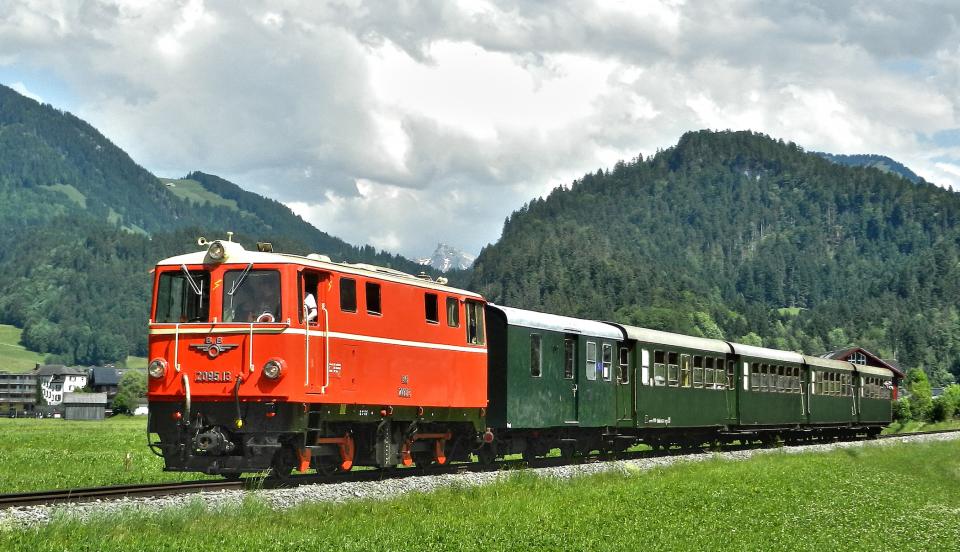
x=37, y=455
x=914, y=426
x=14, y=357
x=900, y=497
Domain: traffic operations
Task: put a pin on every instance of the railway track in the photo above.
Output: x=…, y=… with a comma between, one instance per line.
x=115, y=492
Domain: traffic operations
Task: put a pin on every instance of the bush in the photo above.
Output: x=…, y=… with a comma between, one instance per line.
x=901, y=410
x=941, y=410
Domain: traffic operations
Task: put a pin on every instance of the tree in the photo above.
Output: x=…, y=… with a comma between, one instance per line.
x=921, y=401
x=752, y=339
x=132, y=388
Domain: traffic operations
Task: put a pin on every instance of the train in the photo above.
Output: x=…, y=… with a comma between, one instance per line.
x=260, y=360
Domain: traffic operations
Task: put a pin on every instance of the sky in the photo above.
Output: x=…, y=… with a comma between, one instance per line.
x=404, y=124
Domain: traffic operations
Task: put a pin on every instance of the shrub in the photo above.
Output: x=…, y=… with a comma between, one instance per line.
x=901, y=410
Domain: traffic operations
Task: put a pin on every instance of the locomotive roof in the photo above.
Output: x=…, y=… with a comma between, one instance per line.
x=821, y=362
x=764, y=353
x=676, y=340
x=239, y=255
x=554, y=322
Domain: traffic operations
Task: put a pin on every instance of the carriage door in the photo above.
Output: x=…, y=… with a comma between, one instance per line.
x=624, y=388
x=313, y=290
x=570, y=396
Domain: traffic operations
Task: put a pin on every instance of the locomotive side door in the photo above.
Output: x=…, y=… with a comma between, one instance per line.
x=314, y=315
x=571, y=398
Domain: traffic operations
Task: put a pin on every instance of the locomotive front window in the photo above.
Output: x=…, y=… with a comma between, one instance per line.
x=251, y=296
x=183, y=297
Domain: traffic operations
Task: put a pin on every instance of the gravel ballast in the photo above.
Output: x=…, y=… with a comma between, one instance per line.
x=14, y=518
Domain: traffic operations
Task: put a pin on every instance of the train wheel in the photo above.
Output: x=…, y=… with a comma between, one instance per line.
x=326, y=465
x=567, y=451
x=486, y=455
x=284, y=460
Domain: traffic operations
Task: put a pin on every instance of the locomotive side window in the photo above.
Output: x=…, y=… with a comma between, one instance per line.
x=591, y=366
x=372, y=291
x=474, y=323
x=623, y=376
x=251, y=296
x=431, y=308
x=453, y=312
x=569, y=358
x=348, y=295
x=536, y=358
x=659, y=368
x=183, y=297
x=607, y=361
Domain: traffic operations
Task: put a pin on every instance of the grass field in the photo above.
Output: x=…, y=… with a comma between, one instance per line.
x=13, y=356
x=900, y=497
x=915, y=426
x=38, y=455
x=195, y=192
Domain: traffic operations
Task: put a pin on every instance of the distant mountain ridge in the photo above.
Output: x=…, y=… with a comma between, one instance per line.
x=740, y=236
x=880, y=162
x=81, y=223
x=446, y=258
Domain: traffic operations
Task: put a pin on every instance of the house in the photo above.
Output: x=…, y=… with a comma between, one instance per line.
x=55, y=379
x=18, y=394
x=104, y=379
x=84, y=406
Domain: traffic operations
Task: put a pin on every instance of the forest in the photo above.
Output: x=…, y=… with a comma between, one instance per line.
x=740, y=236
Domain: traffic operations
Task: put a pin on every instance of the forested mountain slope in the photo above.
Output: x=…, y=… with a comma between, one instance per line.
x=879, y=162
x=737, y=235
x=81, y=224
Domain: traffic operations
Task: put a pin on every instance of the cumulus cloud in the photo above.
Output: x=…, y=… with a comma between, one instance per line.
x=401, y=124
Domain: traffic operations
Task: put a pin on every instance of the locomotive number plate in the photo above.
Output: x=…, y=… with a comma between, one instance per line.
x=211, y=377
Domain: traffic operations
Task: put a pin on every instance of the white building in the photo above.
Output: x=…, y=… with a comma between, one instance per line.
x=54, y=380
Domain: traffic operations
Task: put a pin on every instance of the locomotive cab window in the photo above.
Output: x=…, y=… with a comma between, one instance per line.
x=348, y=295
x=431, y=308
x=183, y=297
x=372, y=292
x=536, y=358
x=453, y=312
x=251, y=296
x=474, y=323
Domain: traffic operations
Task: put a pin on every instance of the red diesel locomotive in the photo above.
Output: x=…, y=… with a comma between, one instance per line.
x=264, y=361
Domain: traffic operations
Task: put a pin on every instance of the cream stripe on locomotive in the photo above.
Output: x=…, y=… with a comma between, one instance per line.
x=209, y=330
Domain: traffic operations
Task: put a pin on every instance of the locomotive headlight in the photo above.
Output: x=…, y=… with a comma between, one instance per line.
x=274, y=368
x=157, y=368
x=216, y=252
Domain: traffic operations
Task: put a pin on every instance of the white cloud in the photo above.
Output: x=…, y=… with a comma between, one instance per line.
x=23, y=90
x=401, y=124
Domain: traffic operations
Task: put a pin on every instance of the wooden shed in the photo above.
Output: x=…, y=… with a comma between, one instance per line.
x=84, y=406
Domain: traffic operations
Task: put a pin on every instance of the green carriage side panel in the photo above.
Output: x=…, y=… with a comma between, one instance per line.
x=769, y=386
x=674, y=404
x=562, y=391
x=832, y=400
x=874, y=390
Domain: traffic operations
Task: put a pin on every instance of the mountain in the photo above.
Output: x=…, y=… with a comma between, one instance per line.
x=447, y=258
x=738, y=235
x=81, y=224
x=880, y=162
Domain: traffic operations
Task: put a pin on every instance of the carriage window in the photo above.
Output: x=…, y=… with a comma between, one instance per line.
x=569, y=358
x=536, y=359
x=796, y=379
x=348, y=295
x=781, y=380
x=607, y=361
x=765, y=377
x=659, y=368
x=698, y=371
x=183, y=299
x=373, y=298
x=709, y=377
x=431, y=308
x=729, y=372
x=754, y=376
x=453, y=312
x=685, y=371
x=474, y=323
x=623, y=376
x=251, y=296
x=591, y=366
x=673, y=370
